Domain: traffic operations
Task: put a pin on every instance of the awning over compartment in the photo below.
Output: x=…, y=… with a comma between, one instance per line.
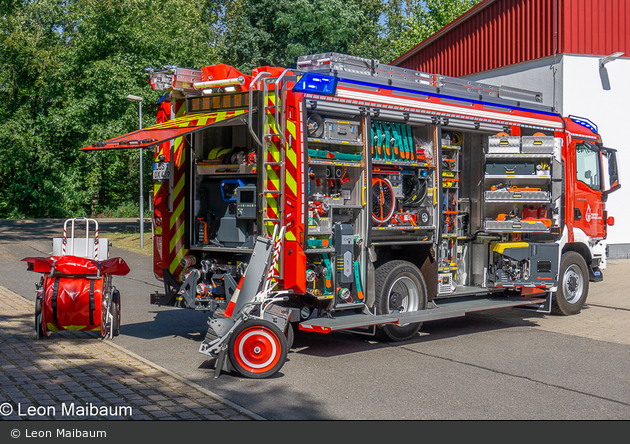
x=168, y=130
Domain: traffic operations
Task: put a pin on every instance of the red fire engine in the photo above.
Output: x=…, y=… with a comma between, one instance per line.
x=346, y=194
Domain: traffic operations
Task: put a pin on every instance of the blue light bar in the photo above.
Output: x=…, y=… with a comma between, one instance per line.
x=316, y=84
x=585, y=122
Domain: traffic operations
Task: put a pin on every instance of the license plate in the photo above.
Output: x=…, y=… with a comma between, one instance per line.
x=161, y=171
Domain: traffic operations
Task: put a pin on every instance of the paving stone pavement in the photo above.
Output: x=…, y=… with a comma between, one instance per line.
x=74, y=375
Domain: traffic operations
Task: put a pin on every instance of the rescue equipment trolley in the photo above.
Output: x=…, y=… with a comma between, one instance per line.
x=75, y=291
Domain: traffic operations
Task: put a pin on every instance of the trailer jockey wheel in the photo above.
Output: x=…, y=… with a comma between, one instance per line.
x=257, y=349
x=383, y=204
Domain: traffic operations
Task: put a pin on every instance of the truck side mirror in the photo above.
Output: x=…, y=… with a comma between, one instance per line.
x=613, y=171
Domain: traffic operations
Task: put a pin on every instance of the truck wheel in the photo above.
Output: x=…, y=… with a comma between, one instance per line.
x=400, y=288
x=257, y=349
x=572, y=285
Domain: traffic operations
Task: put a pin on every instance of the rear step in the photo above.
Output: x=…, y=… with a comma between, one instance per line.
x=447, y=309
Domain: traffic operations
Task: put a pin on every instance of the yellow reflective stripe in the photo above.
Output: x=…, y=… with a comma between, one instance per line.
x=271, y=122
x=275, y=153
x=290, y=236
x=179, y=187
x=273, y=177
x=53, y=328
x=291, y=183
x=176, y=260
x=292, y=156
x=177, y=213
x=291, y=128
x=272, y=203
x=178, y=235
x=183, y=121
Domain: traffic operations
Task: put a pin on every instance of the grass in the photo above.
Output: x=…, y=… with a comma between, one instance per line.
x=131, y=242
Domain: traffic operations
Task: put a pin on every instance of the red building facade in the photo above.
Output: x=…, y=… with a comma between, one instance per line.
x=499, y=33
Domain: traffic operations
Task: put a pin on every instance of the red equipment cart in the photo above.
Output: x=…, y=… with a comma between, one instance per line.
x=75, y=291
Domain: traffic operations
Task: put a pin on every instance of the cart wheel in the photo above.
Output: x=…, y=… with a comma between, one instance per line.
x=257, y=349
x=103, y=320
x=39, y=327
x=115, y=310
x=289, y=333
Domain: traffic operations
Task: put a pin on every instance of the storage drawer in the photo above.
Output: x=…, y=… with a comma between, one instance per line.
x=516, y=226
x=538, y=145
x=521, y=195
x=504, y=145
x=342, y=130
x=510, y=167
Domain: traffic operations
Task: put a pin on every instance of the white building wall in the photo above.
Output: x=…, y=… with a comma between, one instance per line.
x=536, y=75
x=603, y=96
x=580, y=88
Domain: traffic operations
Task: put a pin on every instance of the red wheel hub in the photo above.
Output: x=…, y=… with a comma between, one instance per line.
x=257, y=349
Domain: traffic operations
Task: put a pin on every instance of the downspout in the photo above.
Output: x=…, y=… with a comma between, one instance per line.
x=554, y=68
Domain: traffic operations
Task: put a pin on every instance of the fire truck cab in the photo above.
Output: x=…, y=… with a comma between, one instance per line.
x=401, y=196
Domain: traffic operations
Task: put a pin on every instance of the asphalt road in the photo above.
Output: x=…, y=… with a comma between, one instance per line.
x=497, y=365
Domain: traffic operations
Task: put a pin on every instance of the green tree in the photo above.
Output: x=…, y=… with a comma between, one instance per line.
x=67, y=66
x=276, y=32
x=66, y=69
x=411, y=21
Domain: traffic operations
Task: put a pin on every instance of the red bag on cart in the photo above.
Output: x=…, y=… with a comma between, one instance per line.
x=72, y=304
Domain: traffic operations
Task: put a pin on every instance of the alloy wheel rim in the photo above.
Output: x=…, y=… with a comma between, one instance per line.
x=573, y=284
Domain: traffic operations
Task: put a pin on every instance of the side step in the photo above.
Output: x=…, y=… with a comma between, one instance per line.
x=447, y=309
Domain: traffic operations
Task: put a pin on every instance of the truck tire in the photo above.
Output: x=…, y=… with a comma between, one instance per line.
x=400, y=288
x=257, y=349
x=572, y=285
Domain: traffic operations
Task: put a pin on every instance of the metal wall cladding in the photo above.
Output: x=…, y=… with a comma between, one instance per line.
x=499, y=33
x=599, y=27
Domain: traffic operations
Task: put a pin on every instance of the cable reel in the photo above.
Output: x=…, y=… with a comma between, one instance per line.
x=414, y=189
x=315, y=126
x=383, y=202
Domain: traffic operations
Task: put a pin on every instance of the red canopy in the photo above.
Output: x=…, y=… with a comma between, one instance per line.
x=168, y=130
x=76, y=265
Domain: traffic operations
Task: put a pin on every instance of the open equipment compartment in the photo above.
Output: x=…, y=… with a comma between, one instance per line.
x=224, y=188
x=522, y=202
x=336, y=171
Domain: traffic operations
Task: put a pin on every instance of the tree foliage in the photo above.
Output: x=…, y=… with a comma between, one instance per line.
x=68, y=65
x=412, y=21
x=276, y=32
